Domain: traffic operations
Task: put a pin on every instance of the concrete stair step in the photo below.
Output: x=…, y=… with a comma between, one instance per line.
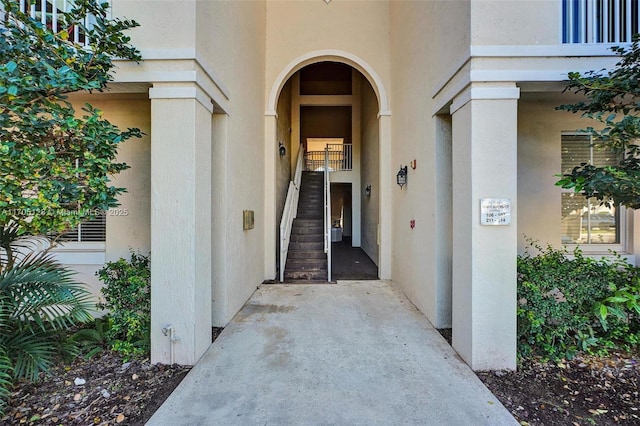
x=306, y=275
x=307, y=230
x=306, y=259
x=301, y=221
x=306, y=254
x=294, y=245
x=297, y=264
x=307, y=238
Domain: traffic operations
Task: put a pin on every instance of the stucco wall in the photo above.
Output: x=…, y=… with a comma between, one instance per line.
x=369, y=167
x=283, y=167
x=438, y=30
x=128, y=226
x=325, y=122
x=167, y=27
x=522, y=22
x=539, y=135
x=230, y=35
x=296, y=28
x=416, y=34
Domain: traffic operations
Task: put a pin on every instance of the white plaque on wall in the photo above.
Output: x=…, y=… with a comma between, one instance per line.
x=495, y=211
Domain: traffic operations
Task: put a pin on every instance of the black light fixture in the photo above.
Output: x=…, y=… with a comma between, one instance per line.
x=401, y=177
x=367, y=191
x=282, y=149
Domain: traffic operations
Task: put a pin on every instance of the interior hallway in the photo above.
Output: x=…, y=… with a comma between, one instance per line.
x=351, y=263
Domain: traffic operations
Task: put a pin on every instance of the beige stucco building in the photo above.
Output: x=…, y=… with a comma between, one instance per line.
x=461, y=92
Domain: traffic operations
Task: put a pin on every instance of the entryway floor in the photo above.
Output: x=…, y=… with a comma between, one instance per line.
x=351, y=263
x=354, y=353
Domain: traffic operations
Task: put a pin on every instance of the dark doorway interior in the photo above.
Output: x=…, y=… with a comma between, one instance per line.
x=351, y=263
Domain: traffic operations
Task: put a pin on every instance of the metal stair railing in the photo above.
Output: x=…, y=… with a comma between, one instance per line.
x=327, y=212
x=290, y=212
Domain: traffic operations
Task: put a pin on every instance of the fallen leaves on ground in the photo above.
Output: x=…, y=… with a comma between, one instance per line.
x=587, y=390
x=104, y=390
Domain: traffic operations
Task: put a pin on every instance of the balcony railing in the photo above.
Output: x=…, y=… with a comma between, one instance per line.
x=49, y=13
x=599, y=21
x=340, y=158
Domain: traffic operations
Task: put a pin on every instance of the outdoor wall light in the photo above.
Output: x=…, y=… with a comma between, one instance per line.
x=282, y=150
x=401, y=177
x=367, y=191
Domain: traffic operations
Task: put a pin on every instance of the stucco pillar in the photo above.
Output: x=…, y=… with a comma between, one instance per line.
x=385, y=183
x=484, y=256
x=272, y=229
x=180, y=223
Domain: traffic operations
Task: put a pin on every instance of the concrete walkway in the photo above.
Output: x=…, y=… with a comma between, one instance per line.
x=355, y=353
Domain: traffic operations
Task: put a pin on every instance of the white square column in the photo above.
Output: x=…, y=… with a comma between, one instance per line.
x=180, y=223
x=484, y=277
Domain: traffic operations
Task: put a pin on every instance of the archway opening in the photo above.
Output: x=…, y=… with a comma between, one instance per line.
x=333, y=105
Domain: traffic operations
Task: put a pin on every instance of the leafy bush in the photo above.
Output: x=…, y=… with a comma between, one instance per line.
x=127, y=296
x=568, y=302
x=93, y=338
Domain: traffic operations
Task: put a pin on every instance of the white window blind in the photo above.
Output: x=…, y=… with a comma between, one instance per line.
x=587, y=221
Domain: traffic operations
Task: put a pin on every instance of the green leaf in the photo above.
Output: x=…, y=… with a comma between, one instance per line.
x=11, y=66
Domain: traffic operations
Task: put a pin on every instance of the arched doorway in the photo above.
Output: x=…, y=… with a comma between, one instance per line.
x=337, y=96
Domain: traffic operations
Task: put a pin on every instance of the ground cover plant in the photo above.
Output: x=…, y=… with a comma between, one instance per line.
x=568, y=302
x=578, y=328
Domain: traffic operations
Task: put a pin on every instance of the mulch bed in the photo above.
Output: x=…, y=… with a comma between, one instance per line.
x=586, y=390
x=113, y=392
x=103, y=390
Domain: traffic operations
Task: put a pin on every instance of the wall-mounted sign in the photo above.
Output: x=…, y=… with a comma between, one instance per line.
x=495, y=211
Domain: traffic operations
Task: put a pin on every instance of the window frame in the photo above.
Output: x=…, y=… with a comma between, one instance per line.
x=621, y=246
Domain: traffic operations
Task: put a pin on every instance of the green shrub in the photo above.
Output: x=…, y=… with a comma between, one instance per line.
x=568, y=302
x=93, y=338
x=127, y=296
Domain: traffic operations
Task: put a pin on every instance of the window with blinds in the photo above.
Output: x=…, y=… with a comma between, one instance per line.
x=90, y=231
x=584, y=220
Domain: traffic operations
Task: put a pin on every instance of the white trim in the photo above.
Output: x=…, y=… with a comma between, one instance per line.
x=186, y=53
x=156, y=76
x=326, y=100
x=486, y=93
x=194, y=92
x=193, y=71
x=453, y=71
x=518, y=75
x=72, y=253
x=168, y=53
x=328, y=55
x=523, y=51
x=545, y=50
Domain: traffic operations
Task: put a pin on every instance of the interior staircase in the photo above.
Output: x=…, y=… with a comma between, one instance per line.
x=306, y=259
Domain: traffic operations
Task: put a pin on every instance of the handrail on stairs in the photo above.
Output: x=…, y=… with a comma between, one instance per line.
x=290, y=212
x=327, y=212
